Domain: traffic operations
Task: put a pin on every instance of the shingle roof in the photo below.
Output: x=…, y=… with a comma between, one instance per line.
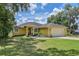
x=32, y=23
x=38, y=24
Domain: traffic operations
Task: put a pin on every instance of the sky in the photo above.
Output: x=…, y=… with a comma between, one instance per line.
x=39, y=12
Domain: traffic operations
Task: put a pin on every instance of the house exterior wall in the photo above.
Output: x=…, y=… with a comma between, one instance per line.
x=20, y=31
x=43, y=31
x=46, y=31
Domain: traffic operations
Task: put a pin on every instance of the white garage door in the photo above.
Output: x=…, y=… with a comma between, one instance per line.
x=58, y=32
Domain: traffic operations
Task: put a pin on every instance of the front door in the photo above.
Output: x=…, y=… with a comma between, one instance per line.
x=30, y=31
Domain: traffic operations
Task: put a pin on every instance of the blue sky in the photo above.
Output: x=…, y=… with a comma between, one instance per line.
x=39, y=12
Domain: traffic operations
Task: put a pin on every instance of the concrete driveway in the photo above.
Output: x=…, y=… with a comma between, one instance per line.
x=71, y=38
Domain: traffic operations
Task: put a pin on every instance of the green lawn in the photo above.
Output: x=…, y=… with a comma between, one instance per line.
x=59, y=43
x=39, y=47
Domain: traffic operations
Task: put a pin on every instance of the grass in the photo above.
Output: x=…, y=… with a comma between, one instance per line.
x=59, y=43
x=39, y=47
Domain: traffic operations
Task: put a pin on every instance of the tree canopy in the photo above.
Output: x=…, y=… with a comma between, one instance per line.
x=7, y=17
x=66, y=17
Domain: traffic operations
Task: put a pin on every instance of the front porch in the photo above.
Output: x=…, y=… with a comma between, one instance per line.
x=35, y=31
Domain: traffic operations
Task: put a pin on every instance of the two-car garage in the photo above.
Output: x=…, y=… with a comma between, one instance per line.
x=58, y=31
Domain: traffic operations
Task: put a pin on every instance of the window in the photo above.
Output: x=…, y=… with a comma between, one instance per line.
x=36, y=30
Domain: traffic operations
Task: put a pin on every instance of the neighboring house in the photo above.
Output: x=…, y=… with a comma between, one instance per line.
x=36, y=29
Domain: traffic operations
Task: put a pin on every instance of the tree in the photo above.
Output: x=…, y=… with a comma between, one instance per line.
x=71, y=14
x=66, y=17
x=58, y=18
x=6, y=22
x=7, y=17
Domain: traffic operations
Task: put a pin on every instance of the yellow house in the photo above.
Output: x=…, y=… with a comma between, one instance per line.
x=36, y=29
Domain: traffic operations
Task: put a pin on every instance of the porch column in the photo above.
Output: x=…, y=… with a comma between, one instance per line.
x=38, y=31
x=33, y=30
x=26, y=31
x=48, y=32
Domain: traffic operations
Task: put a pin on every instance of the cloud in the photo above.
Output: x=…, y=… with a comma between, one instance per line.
x=43, y=5
x=32, y=6
x=46, y=13
x=55, y=11
x=33, y=12
x=18, y=22
x=19, y=15
x=42, y=18
x=38, y=18
x=21, y=20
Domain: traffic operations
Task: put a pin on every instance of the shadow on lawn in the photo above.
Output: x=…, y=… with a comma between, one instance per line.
x=26, y=47
x=56, y=52
x=19, y=46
